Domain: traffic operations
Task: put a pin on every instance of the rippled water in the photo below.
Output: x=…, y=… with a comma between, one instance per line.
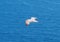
x=13, y=14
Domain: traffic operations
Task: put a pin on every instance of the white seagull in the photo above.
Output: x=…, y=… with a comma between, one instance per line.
x=32, y=19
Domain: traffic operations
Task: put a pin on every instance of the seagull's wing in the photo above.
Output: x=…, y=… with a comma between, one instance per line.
x=33, y=18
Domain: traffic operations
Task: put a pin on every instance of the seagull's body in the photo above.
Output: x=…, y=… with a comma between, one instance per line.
x=33, y=19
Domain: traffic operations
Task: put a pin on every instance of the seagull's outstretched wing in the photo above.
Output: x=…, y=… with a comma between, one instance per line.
x=28, y=21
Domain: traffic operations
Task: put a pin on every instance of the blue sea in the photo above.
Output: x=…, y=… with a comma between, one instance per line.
x=13, y=14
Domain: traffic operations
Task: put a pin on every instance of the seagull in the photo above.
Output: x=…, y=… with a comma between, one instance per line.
x=32, y=19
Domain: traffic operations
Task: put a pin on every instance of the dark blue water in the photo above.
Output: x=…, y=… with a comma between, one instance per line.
x=13, y=14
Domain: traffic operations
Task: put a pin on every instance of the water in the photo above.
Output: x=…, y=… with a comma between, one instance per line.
x=13, y=14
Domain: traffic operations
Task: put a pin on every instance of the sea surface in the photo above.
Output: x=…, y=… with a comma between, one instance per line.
x=13, y=14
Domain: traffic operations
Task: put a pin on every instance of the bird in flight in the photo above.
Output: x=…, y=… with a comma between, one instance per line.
x=32, y=19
